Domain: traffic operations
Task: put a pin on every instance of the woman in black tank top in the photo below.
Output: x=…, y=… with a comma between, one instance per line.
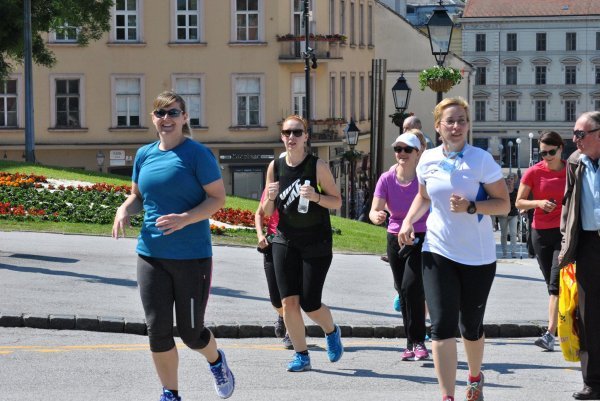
x=302, y=247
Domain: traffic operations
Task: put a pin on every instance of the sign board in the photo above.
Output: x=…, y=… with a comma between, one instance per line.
x=117, y=155
x=246, y=156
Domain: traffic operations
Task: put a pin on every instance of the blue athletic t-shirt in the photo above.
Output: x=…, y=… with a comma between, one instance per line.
x=171, y=182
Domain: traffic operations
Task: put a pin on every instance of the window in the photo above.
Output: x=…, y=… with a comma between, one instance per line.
x=247, y=16
x=128, y=101
x=352, y=24
x=540, y=75
x=67, y=103
x=65, y=34
x=353, y=96
x=370, y=94
x=480, y=110
x=569, y=110
x=597, y=74
x=248, y=100
x=342, y=17
x=480, y=77
x=332, y=16
x=571, y=38
x=188, y=17
x=361, y=24
x=480, y=42
x=299, y=95
x=511, y=110
x=361, y=97
x=191, y=90
x=343, y=96
x=540, y=110
x=597, y=104
x=370, y=22
x=511, y=75
x=597, y=40
x=511, y=42
x=126, y=21
x=8, y=103
x=332, y=96
x=570, y=75
x=540, y=41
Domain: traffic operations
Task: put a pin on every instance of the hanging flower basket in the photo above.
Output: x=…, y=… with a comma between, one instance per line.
x=440, y=85
x=439, y=78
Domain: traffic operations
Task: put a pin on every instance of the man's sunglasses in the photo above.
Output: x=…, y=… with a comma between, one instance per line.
x=405, y=149
x=550, y=152
x=295, y=132
x=160, y=113
x=580, y=134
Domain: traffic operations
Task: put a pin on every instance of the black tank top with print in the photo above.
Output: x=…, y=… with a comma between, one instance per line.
x=304, y=228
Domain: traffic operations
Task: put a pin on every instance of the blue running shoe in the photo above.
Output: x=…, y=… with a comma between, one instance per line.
x=169, y=396
x=224, y=380
x=397, y=304
x=335, y=349
x=300, y=363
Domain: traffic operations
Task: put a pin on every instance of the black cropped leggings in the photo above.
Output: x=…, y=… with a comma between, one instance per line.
x=546, y=244
x=185, y=283
x=271, y=279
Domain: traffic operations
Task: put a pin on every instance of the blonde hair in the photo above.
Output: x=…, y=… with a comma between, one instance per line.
x=420, y=136
x=166, y=98
x=449, y=102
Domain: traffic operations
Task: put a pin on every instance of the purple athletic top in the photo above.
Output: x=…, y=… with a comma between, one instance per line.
x=398, y=199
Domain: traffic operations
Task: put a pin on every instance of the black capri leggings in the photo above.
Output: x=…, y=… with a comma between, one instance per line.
x=456, y=294
x=185, y=283
x=271, y=279
x=302, y=271
x=546, y=245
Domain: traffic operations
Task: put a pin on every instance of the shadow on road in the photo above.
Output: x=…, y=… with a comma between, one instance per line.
x=43, y=258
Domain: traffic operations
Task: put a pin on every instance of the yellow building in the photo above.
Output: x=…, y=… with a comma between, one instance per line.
x=238, y=63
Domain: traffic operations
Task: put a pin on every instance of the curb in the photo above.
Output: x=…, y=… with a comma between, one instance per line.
x=109, y=324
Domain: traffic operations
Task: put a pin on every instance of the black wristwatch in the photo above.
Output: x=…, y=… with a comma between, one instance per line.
x=472, y=208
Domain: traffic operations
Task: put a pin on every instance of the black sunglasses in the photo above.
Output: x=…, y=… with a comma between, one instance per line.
x=160, y=113
x=580, y=134
x=407, y=149
x=295, y=132
x=550, y=152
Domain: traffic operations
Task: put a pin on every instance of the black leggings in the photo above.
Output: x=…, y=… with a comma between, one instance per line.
x=456, y=294
x=408, y=281
x=185, y=283
x=546, y=244
x=300, y=271
x=271, y=279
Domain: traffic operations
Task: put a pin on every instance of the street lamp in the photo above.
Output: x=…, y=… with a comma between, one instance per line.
x=100, y=160
x=501, y=150
x=439, y=29
x=309, y=56
x=518, y=141
x=510, y=145
x=401, y=93
x=352, y=139
x=530, y=149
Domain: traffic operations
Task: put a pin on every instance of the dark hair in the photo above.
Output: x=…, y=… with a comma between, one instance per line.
x=166, y=98
x=551, y=138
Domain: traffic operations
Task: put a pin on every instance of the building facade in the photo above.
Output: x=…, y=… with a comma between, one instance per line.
x=537, y=66
x=238, y=63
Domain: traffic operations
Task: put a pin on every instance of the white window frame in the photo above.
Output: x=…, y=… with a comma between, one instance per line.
x=54, y=38
x=361, y=97
x=352, y=23
x=361, y=24
x=142, y=96
x=343, y=96
x=139, y=12
x=342, y=17
x=199, y=13
x=480, y=110
x=571, y=72
x=261, y=100
x=332, y=17
x=261, y=19
x=53, y=79
x=370, y=23
x=568, y=104
x=516, y=74
x=353, y=96
x=20, y=100
x=332, y=94
x=540, y=102
x=313, y=80
x=186, y=96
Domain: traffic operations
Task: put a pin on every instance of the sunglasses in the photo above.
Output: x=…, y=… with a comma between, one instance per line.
x=550, y=152
x=160, y=113
x=296, y=132
x=405, y=149
x=580, y=134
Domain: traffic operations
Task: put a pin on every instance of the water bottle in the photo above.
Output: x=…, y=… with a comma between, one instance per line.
x=303, y=202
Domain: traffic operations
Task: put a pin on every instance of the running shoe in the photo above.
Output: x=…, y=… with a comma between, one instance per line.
x=224, y=380
x=169, y=396
x=408, y=354
x=335, y=349
x=300, y=363
x=287, y=342
x=397, y=304
x=546, y=341
x=475, y=390
x=420, y=351
x=279, y=327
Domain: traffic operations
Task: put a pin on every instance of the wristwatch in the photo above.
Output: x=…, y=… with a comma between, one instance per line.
x=472, y=208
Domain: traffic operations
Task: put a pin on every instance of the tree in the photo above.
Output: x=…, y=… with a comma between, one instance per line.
x=91, y=17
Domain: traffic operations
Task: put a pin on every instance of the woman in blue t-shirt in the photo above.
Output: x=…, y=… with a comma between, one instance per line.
x=177, y=183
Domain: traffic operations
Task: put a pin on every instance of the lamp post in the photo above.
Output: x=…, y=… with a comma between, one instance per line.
x=100, y=160
x=309, y=56
x=518, y=141
x=352, y=139
x=439, y=29
x=530, y=149
x=401, y=93
x=510, y=146
x=501, y=149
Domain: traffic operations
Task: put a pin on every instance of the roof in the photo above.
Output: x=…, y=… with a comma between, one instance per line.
x=530, y=8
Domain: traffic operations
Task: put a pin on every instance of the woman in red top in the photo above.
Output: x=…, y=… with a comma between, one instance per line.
x=542, y=188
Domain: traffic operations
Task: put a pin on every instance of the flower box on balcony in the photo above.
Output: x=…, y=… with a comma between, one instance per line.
x=317, y=38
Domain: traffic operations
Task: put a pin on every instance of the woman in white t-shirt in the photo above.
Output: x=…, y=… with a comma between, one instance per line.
x=462, y=186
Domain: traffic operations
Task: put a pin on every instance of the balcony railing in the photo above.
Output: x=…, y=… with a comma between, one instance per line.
x=328, y=130
x=324, y=46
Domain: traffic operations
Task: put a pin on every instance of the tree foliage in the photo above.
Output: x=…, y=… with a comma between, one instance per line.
x=92, y=17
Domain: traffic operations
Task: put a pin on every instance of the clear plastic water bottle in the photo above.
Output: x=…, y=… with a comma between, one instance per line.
x=303, y=202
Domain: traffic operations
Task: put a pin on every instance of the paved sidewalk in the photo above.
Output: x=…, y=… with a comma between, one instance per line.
x=83, y=282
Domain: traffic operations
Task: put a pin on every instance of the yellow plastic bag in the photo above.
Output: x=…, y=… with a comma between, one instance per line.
x=567, y=314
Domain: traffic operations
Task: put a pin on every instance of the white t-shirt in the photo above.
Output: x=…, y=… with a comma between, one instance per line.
x=462, y=237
